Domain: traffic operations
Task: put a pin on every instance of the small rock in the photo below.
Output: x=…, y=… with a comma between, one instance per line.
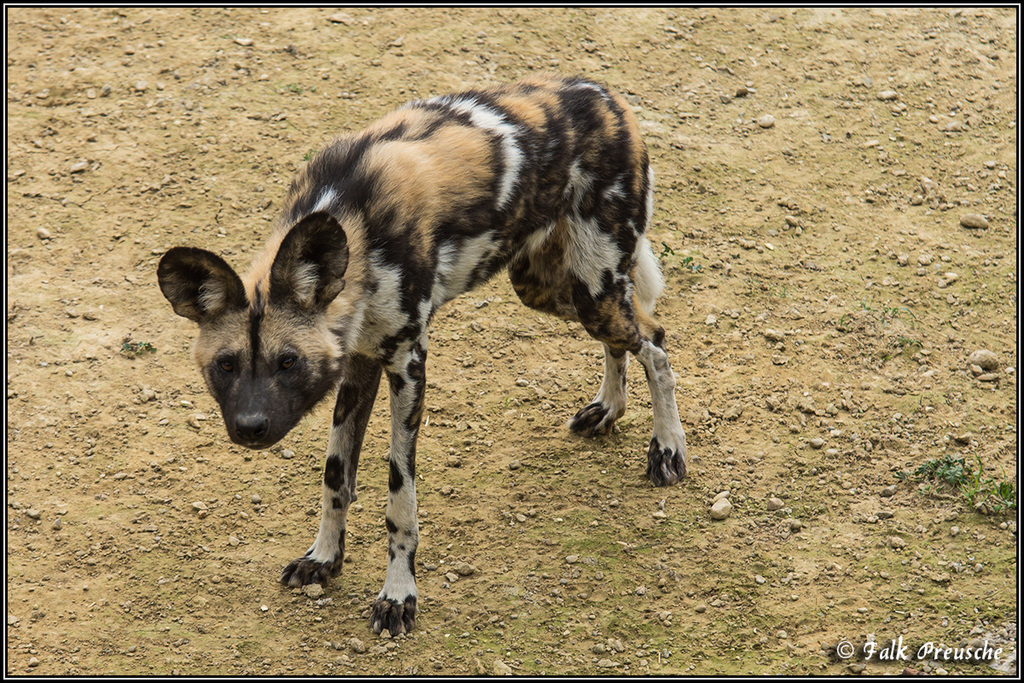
x=465, y=569
x=742, y=91
x=816, y=443
x=974, y=221
x=199, y=505
x=775, y=504
x=759, y=580
x=888, y=95
x=452, y=577
x=342, y=18
x=896, y=542
x=606, y=664
x=766, y=121
x=710, y=320
x=953, y=127
x=774, y=335
x=888, y=491
x=287, y=454
x=795, y=525
x=501, y=668
x=572, y=559
x=719, y=496
x=57, y=524
x=984, y=359
x=721, y=509
x=33, y=662
x=701, y=608
x=79, y=167
x=313, y=590
x=33, y=513
x=256, y=500
x=244, y=42
x=733, y=412
x=515, y=465
x=42, y=233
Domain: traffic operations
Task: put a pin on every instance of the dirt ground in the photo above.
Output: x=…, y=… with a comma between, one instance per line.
x=826, y=285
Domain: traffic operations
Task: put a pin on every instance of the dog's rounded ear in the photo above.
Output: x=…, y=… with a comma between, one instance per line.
x=310, y=265
x=199, y=284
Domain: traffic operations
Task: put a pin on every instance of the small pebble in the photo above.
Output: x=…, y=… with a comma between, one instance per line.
x=896, y=542
x=42, y=233
x=719, y=496
x=766, y=121
x=33, y=662
x=287, y=454
x=501, y=668
x=357, y=645
x=256, y=499
x=888, y=95
x=313, y=590
x=888, y=491
x=984, y=359
x=795, y=525
x=721, y=509
x=33, y=513
x=974, y=221
x=244, y=42
x=775, y=504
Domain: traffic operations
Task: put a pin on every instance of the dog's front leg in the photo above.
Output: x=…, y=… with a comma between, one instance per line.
x=356, y=394
x=395, y=608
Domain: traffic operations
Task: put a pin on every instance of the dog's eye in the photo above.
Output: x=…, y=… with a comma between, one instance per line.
x=226, y=365
x=287, y=362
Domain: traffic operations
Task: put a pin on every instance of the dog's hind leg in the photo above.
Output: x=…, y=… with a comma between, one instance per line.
x=599, y=416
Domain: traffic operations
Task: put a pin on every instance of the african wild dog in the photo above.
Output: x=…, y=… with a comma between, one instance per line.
x=547, y=177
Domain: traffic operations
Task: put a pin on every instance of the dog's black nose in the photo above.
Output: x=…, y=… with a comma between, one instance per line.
x=252, y=427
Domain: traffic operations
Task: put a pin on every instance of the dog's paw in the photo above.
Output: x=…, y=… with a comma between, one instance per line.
x=594, y=419
x=304, y=571
x=397, y=617
x=666, y=463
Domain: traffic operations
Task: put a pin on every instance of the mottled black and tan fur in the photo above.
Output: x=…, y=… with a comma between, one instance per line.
x=547, y=178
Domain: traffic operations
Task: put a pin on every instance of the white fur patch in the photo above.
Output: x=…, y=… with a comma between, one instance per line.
x=488, y=119
x=647, y=278
x=456, y=265
x=590, y=253
x=325, y=200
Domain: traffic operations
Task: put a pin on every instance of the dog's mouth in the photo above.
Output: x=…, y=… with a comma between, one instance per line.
x=255, y=443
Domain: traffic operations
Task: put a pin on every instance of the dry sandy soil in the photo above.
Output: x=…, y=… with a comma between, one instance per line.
x=824, y=294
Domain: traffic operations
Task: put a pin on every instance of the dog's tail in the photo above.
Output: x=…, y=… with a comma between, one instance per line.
x=648, y=282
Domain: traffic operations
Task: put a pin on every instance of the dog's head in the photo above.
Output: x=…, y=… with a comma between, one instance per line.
x=266, y=350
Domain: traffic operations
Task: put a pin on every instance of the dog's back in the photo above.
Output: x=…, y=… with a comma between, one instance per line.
x=545, y=175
